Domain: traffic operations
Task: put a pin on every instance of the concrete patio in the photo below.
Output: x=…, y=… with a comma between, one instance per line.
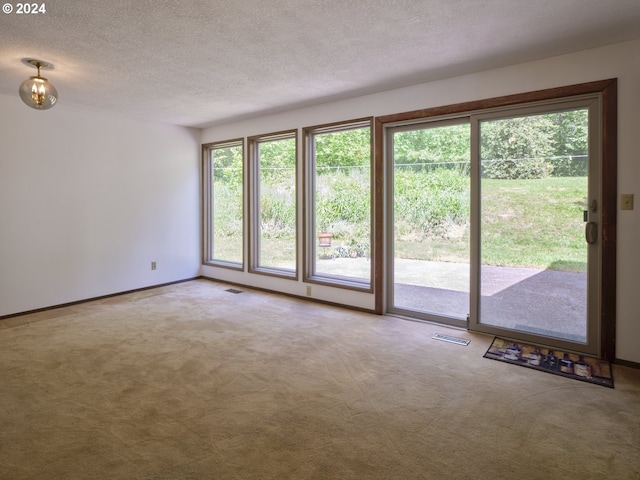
x=546, y=302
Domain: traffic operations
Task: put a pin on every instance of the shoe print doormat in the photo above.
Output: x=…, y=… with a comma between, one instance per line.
x=551, y=360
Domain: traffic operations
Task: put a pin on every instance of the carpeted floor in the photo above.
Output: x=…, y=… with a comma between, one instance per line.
x=192, y=382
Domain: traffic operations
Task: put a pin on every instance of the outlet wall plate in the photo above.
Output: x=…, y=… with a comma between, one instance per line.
x=626, y=201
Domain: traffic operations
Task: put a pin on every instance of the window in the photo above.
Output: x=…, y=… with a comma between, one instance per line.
x=428, y=224
x=338, y=174
x=577, y=127
x=273, y=204
x=223, y=205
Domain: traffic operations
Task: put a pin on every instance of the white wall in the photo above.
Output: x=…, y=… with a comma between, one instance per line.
x=619, y=61
x=88, y=200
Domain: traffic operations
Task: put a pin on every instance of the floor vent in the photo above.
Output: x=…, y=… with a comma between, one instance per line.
x=446, y=338
x=233, y=290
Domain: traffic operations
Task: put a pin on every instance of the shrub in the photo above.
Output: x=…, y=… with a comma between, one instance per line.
x=570, y=166
x=277, y=211
x=228, y=221
x=430, y=203
x=342, y=199
x=514, y=169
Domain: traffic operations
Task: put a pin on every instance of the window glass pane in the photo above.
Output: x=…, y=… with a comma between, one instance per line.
x=226, y=204
x=276, y=242
x=431, y=222
x=534, y=205
x=342, y=203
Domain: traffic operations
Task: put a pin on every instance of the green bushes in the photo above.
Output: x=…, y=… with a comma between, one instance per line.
x=228, y=222
x=430, y=203
x=517, y=169
x=427, y=204
x=343, y=207
x=277, y=210
x=342, y=199
x=570, y=166
x=531, y=168
x=535, y=146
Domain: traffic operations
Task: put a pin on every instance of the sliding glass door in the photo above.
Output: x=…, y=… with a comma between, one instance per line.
x=494, y=222
x=429, y=239
x=538, y=215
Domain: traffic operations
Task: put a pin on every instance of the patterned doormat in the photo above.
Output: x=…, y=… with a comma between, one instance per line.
x=551, y=360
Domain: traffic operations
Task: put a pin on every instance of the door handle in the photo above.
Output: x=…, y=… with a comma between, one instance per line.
x=591, y=232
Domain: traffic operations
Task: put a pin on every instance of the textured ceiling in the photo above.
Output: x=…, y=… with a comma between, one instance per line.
x=206, y=62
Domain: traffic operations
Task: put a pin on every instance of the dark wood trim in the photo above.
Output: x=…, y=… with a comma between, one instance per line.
x=608, y=90
x=498, y=102
x=92, y=299
x=608, y=221
x=627, y=363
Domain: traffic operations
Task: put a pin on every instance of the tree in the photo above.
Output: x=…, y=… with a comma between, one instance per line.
x=277, y=159
x=516, y=147
x=347, y=148
x=421, y=149
x=570, y=143
x=227, y=164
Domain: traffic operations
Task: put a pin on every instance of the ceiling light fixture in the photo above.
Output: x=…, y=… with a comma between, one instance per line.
x=36, y=91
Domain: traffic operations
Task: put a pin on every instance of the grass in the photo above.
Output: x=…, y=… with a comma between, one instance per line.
x=534, y=223
x=525, y=223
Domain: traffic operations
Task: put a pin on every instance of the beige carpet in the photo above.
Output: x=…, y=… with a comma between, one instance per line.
x=192, y=382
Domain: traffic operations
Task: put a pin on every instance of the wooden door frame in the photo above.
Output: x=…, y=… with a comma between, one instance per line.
x=608, y=90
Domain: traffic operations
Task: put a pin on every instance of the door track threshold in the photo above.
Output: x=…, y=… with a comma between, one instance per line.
x=447, y=338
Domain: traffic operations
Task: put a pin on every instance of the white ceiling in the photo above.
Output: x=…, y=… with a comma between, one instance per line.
x=206, y=62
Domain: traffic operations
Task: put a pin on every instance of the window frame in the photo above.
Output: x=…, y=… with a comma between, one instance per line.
x=253, y=230
x=208, y=187
x=608, y=91
x=309, y=221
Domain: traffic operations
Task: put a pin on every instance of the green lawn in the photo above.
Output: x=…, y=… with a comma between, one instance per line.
x=525, y=223
x=535, y=223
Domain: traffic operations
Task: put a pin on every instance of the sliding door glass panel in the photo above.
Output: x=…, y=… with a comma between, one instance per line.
x=341, y=197
x=225, y=222
x=430, y=240
x=533, y=208
x=275, y=170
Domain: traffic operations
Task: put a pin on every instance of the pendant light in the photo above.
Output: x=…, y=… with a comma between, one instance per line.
x=37, y=92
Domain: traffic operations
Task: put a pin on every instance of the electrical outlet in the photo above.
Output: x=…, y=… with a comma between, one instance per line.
x=308, y=290
x=153, y=265
x=626, y=201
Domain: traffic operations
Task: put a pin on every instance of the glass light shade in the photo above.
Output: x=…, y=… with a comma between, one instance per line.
x=38, y=93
